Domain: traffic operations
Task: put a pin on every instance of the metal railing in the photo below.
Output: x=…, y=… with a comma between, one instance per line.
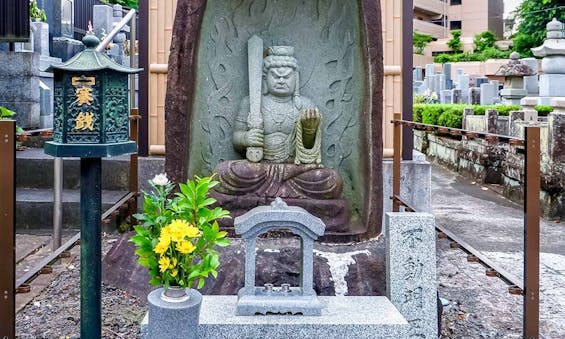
x=529, y=286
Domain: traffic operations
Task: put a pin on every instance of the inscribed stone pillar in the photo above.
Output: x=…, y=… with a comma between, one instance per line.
x=411, y=270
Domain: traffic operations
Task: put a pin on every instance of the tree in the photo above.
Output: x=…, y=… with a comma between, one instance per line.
x=420, y=41
x=533, y=16
x=455, y=42
x=484, y=40
x=125, y=3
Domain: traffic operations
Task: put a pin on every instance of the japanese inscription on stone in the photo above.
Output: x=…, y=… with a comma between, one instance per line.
x=411, y=270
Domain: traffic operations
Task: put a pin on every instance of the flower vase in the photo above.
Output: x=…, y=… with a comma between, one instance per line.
x=174, y=313
x=175, y=294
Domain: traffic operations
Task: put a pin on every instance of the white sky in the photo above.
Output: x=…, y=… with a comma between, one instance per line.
x=510, y=5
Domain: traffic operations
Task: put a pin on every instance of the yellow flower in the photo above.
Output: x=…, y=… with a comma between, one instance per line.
x=173, y=263
x=178, y=229
x=174, y=273
x=192, y=232
x=164, y=263
x=185, y=247
x=165, y=233
x=162, y=247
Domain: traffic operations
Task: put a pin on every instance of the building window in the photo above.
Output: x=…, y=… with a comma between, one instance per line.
x=454, y=25
x=455, y=2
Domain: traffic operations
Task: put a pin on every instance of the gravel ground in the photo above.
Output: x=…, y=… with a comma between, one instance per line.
x=56, y=312
x=479, y=306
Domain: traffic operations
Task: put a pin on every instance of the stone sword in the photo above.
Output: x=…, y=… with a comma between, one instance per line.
x=255, y=119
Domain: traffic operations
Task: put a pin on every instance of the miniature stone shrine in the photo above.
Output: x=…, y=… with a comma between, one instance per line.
x=514, y=72
x=295, y=300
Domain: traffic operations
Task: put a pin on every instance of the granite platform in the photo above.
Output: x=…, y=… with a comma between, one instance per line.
x=343, y=317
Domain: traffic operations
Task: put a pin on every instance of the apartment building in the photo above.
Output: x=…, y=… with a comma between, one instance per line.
x=438, y=17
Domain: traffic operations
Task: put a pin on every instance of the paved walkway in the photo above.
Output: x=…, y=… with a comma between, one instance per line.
x=494, y=226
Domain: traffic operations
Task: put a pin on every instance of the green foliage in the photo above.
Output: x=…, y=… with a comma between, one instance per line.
x=125, y=3
x=487, y=53
x=543, y=110
x=455, y=42
x=8, y=114
x=420, y=41
x=534, y=15
x=484, y=40
x=417, y=110
x=178, y=233
x=35, y=12
x=442, y=58
x=451, y=115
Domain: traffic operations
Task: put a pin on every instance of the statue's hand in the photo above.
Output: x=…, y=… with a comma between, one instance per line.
x=254, y=138
x=310, y=119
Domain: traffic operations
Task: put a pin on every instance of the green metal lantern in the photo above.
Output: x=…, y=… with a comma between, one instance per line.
x=91, y=117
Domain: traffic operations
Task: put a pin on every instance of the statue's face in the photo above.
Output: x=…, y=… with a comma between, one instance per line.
x=281, y=81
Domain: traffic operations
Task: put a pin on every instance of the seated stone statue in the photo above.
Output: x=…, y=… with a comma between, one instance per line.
x=280, y=132
x=290, y=139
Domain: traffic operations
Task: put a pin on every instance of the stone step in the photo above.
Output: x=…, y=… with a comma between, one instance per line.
x=34, y=207
x=34, y=169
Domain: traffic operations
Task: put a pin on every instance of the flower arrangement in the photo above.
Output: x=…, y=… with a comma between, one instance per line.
x=428, y=97
x=35, y=13
x=178, y=233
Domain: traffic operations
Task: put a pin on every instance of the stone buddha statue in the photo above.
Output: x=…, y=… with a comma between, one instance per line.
x=280, y=132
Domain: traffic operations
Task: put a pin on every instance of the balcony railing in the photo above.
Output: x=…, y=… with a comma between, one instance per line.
x=431, y=7
x=423, y=27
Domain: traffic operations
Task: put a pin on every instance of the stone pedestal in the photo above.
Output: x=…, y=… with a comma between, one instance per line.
x=343, y=317
x=173, y=319
x=512, y=96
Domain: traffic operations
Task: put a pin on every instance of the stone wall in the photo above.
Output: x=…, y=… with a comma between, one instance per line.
x=498, y=163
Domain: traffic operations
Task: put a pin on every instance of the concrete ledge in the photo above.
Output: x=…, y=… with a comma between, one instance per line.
x=343, y=317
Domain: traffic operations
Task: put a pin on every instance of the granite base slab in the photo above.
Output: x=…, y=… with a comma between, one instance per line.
x=342, y=317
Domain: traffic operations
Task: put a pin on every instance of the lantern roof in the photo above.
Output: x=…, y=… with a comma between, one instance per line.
x=92, y=60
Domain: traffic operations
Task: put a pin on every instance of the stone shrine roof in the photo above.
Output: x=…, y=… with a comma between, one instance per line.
x=555, y=42
x=92, y=60
x=278, y=215
x=515, y=67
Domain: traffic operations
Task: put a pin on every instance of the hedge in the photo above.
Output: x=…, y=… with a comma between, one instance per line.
x=451, y=115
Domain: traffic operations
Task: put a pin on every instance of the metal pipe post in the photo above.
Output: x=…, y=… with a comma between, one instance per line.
x=117, y=28
x=407, y=65
x=531, y=233
x=57, y=202
x=134, y=122
x=90, y=248
x=397, y=137
x=7, y=229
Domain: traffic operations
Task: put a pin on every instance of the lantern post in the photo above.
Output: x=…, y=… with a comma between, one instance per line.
x=91, y=122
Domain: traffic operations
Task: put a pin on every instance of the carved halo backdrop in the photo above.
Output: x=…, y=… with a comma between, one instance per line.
x=338, y=45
